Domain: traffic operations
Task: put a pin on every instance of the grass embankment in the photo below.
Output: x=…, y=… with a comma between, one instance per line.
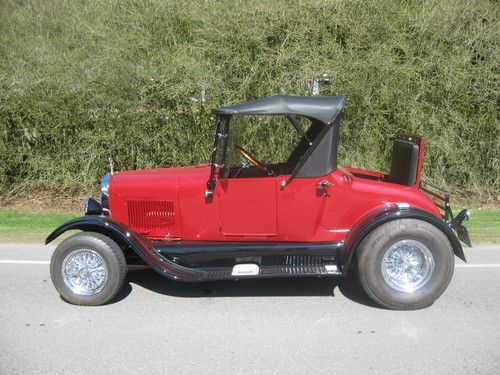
x=484, y=225
x=23, y=226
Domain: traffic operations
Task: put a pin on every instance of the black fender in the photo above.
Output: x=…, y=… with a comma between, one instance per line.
x=368, y=223
x=123, y=235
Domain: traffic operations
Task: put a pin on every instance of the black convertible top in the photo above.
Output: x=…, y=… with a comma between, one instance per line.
x=316, y=153
x=322, y=108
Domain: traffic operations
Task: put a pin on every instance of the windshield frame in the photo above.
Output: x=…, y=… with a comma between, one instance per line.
x=221, y=121
x=321, y=141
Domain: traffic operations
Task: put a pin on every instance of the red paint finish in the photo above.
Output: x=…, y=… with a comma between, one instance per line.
x=352, y=199
x=300, y=208
x=151, y=187
x=172, y=203
x=151, y=215
x=364, y=172
x=248, y=207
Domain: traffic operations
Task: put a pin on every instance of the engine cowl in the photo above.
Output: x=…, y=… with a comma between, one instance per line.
x=147, y=201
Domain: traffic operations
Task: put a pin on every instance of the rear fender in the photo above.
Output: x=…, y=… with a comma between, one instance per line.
x=124, y=236
x=383, y=215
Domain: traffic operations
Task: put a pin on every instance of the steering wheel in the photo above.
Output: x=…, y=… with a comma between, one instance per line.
x=251, y=159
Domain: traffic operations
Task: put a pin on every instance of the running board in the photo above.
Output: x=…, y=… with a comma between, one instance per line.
x=268, y=267
x=269, y=271
x=194, y=253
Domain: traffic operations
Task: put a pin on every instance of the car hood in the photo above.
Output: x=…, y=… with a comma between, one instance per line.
x=148, y=200
x=161, y=176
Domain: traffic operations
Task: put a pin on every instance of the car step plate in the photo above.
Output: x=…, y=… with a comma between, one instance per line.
x=246, y=269
x=252, y=270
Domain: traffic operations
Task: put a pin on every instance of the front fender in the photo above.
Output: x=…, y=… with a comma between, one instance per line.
x=368, y=223
x=91, y=223
x=123, y=235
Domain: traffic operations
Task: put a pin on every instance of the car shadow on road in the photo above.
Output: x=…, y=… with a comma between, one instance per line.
x=293, y=287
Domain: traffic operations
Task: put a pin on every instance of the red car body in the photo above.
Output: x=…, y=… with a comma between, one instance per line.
x=254, y=209
x=304, y=216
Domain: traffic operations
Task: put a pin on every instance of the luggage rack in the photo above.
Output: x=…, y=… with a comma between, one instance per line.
x=442, y=196
x=443, y=202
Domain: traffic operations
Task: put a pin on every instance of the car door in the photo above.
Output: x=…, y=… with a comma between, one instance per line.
x=248, y=206
x=300, y=208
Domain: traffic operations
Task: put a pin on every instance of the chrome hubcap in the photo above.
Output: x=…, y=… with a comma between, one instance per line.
x=407, y=266
x=84, y=272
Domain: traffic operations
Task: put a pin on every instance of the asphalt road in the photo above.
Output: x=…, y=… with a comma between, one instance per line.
x=297, y=326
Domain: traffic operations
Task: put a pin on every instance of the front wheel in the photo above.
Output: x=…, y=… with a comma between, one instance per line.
x=88, y=269
x=405, y=264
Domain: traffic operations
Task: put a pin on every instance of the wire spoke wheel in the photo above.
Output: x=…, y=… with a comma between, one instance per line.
x=84, y=272
x=407, y=266
x=88, y=269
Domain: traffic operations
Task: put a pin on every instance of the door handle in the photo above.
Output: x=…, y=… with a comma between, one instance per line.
x=321, y=188
x=324, y=184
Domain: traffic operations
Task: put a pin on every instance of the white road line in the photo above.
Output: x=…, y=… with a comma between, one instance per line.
x=469, y=265
x=478, y=265
x=8, y=261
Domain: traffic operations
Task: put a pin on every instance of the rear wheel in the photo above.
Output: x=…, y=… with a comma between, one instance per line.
x=88, y=269
x=405, y=264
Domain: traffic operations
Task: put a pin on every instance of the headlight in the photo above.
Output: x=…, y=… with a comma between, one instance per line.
x=91, y=207
x=105, y=194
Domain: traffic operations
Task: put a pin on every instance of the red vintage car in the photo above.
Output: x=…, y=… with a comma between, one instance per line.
x=239, y=217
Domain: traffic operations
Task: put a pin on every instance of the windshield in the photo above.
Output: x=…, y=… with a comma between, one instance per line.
x=293, y=146
x=270, y=140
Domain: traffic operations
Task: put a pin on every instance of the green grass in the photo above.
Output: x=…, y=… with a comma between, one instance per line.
x=484, y=225
x=17, y=225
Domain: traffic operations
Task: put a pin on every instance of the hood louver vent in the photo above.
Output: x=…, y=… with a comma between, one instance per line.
x=147, y=214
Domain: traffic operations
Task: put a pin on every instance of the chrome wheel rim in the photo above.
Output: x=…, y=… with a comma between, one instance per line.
x=407, y=266
x=84, y=272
